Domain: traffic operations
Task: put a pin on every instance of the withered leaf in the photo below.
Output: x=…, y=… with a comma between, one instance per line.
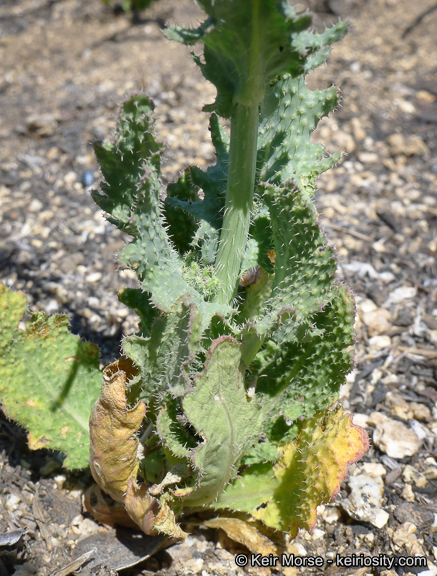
x=113, y=427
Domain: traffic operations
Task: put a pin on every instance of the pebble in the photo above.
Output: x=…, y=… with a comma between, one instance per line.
x=93, y=277
x=419, y=429
x=408, y=494
x=42, y=124
x=12, y=502
x=331, y=514
x=420, y=412
x=368, y=158
x=395, y=439
x=35, y=205
x=365, y=498
x=87, y=178
x=372, y=469
x=432, y=334
x=378, y=343
x=361, y=420
x=411, y=476
x=393, y=476
x=413, y=145
x=405, y=537
x=402, y=293
x=398, y=406
x=377, y=321
x=363, y=269
x=425, y=96
x=420, y=516
x=377, y=418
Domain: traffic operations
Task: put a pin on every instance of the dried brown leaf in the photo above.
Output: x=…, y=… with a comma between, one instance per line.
x=114, y=446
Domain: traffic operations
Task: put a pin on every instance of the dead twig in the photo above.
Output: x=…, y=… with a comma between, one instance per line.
x=76, y=564
x=418, y=20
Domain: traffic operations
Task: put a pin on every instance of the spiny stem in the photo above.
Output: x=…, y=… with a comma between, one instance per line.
x=239, y=199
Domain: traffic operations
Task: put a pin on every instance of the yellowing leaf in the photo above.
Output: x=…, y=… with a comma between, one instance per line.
x=311, y=469
x=49, y=379
x=244, y=533
x=153, y=515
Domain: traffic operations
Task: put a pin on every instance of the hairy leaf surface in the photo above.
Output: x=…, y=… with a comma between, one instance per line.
x=49, y=379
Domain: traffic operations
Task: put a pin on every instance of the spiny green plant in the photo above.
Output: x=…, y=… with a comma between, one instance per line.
x=226, y=399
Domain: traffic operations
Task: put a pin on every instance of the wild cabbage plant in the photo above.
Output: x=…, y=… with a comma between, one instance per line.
x=227, y=398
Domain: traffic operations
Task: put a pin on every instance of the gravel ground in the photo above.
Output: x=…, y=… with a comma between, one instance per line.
x=65, y=65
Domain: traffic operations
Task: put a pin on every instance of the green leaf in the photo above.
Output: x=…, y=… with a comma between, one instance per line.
x=255, y=486
x=246, y=45
x=304, y=263
x=139, y=301
x=302, y=375
x=49, y=379
x=130, y=194
x=163, y=359
x=285, y=151
x=222, y=414
x=183, y=198
x=173, y=433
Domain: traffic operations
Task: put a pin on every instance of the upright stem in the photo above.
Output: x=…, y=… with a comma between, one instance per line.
x=239, y=199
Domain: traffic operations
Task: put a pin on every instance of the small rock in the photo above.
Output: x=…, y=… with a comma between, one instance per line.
x=42, y=124
x=363, y=269
x=387, y=276
x=357, y=128
x=331, y=514
x=404, y=317
x=392, y=476
x=407, y=493
x=405, y=105
x=407, y=512
x=411, y=476
x=398, y=406
x=372, y=469
x=433, y=336
x=377, y=321
x=420, y=412
x=87, y=178
x=408, y=474
x=377, y=418
x=426, y=96
x=395, y=439
x=411, y=146
x=70, y=177
x=35, y=206
x=361, y=420
x=364, y=501
x=431, y=473
x=419, y=429
x=405, y=537
x=430, y=321
x=403, y=534
x=368, y=157
x=378, y=343
x=402, y=293
x=345, y=141
x=12, y=502
x=93, y=277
